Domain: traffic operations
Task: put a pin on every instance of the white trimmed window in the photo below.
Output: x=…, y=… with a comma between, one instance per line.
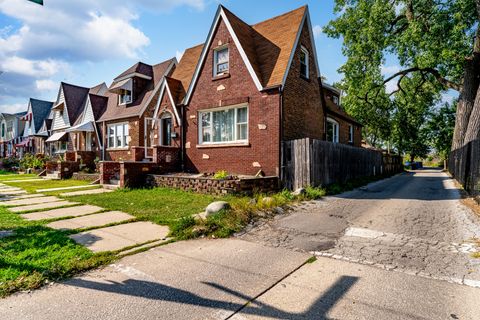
x=332, y=130
x=220, y=61
x=304, y=62
x=225, y=125
x=117, y=135
x=350, y=133
x=125, y=97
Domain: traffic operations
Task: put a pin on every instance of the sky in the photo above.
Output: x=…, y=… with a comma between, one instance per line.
x=87, y=42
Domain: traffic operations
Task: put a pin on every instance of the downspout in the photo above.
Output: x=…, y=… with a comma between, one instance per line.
x=103, y=141
x=280, y=155
x=182, y=138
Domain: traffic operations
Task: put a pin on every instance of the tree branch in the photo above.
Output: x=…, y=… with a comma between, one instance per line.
x=445, y=82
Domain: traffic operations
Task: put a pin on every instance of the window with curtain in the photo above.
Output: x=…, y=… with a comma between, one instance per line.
x=125, y=97
x=117, y=135
x=304, y=62
x=221, y=61
x=224, y=125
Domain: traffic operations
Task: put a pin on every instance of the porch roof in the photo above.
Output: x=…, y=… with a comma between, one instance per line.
x=83, y=127
x=56, y=137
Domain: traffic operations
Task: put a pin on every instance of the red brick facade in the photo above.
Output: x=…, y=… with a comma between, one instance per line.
x=263, y=148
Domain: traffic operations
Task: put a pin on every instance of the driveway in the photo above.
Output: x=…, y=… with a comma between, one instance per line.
x=388, y=251
x=412, y=223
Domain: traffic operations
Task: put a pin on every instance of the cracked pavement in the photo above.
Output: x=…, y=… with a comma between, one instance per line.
x=412, y=223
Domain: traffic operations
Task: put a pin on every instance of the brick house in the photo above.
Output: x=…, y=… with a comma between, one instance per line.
x=231, y=101
x=34, y=142
x=131, y=100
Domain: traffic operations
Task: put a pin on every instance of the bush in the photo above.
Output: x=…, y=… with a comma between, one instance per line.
x=313, y=193
x=10, y=163
x=30, y=161
x=220, y=175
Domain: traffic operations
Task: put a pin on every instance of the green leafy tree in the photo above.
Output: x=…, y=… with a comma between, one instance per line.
x=437, y=40
x=440, y=128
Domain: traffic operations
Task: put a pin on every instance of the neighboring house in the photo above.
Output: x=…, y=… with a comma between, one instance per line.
x=11, y=131
x=37, y=112
x=131, y=100
x=85, y=132
x=232, y=101
x=66, y=110
x=341, y=127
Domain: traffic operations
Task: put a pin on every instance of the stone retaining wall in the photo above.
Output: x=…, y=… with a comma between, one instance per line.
x=86, y=176
x=215, y=186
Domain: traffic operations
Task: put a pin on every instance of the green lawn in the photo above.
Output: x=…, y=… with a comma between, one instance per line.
x=159, y=205
x=36, y=254
x=13, y=176
x=33, y=186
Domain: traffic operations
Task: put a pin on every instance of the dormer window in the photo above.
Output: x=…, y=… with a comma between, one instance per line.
x=221, y=61
x=125, y=97
x=335, y=100
x=304, y=63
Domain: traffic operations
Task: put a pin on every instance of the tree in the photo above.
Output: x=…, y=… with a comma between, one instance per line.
x=440, y=128
x=413, y=104
x=437, y=40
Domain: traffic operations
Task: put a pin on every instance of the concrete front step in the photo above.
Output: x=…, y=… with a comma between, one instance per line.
x=92, y=220
x=121, y=236
x=62, y=213
x=111, y=186
x=29, y=201
x=41, y=206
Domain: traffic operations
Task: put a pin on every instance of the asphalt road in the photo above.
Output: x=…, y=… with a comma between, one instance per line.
x=392, y=250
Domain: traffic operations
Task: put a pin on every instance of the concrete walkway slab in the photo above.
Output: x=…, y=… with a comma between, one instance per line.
x=85, y=192
x=25, y=180
x=29, y=201
x=93, y=220
x=62, y=212
x=12, y=192
x=41, y=206
x=20, y=196
x=8, y=188
x=121, y=236
x=66, y=188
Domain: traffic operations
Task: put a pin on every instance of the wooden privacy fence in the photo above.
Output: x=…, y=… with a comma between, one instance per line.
x=320, y=163
x=464, y=165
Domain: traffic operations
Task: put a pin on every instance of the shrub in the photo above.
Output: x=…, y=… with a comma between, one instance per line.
x=30, y=161
x=220, y=175
x=10, y=163
x=313, y=193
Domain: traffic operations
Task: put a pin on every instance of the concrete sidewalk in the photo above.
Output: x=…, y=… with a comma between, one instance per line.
x=201, y=279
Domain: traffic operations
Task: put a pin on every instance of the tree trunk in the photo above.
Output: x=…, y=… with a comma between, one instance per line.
x=466, y=101
x=473, y=129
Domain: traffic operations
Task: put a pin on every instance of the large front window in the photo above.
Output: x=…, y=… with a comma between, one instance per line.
x=221, y=61
x=332, y=130
x=125, y=97
x=224, y=125
x=117, y=135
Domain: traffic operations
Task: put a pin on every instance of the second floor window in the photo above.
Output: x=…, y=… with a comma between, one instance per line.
x=304, y=63
x=350, y=134
x=125, y=97
x=221, y=61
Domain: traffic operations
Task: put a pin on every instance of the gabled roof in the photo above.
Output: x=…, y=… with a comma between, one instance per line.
x=140, y=68
x=75, y=97
x=186, y=68
x=335, y=109
x=267, y=48
x=99, y=89
x=99, y=105
x=40, y=110
x=142, y=100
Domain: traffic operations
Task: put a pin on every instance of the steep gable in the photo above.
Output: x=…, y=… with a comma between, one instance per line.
x=40, y=110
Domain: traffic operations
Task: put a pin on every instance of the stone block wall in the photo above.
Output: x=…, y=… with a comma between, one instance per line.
x=214, y=186
x=86, y=176
x=134, y=174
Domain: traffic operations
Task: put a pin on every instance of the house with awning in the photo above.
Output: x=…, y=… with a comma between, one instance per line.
x=11, y=133
x=37, y=112
x=67, y=108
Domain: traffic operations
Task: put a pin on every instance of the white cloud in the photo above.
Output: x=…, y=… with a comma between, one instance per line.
x=391, y=86
x=60, y=33
x=389, y=70
x=179, y=55
x=13, y=108
x=317, y=31
x=46, y=84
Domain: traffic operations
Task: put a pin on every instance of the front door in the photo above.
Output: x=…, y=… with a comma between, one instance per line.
x=166, y=131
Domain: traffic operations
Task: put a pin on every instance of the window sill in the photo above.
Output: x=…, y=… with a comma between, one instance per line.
x=305, y=78
x=118, y=149
x=223, y=145
x=220, y=77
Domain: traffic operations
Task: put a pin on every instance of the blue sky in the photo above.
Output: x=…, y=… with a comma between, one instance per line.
x=86, y=42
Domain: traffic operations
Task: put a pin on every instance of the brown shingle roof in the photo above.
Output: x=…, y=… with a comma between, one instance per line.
x=138, y=67
x=75, y=97
x=186, y=67
x=337, y=110
x=137, y=107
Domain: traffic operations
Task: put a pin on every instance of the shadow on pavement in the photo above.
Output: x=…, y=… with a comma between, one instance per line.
x=158, y=291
